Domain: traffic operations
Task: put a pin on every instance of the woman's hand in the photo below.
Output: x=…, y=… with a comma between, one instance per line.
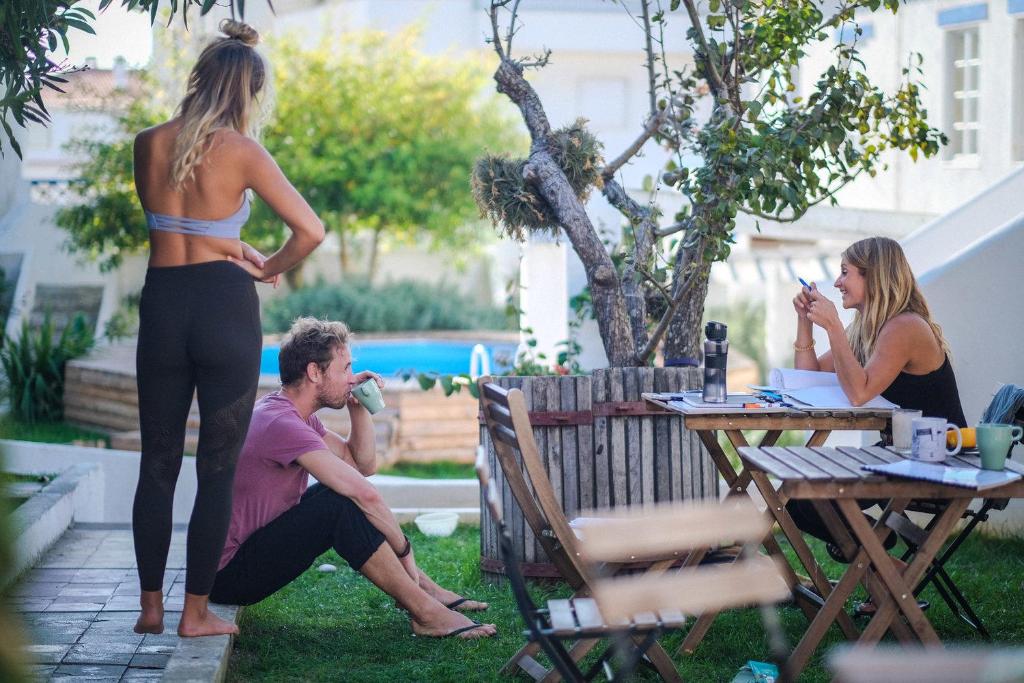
x=801, y=302
x=253, y=262
x=822, y=312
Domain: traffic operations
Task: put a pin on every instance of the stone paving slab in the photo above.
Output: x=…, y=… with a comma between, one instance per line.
x=80, y=602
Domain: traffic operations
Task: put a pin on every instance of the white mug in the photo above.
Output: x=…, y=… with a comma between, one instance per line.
x=929, y=439
x=903, y=429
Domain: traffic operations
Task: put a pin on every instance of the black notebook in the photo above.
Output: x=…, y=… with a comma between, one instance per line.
x=964, y=477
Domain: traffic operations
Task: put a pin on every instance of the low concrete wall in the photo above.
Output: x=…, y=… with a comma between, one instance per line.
x=118, y=475
x=75, y=495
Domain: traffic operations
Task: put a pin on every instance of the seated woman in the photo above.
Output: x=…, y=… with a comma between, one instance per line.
x=892, y=347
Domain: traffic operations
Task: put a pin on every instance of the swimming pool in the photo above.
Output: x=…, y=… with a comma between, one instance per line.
x=392, y=356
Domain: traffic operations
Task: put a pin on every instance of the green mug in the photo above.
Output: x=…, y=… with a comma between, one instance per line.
x=368, y=393
x=994, y=443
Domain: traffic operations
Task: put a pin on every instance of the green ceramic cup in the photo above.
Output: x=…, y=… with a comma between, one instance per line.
x=368, y=393
x=994, y=442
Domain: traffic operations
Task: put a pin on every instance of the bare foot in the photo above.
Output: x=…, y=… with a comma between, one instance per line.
x=197, y=619
x=151, y=620
x=444, y=622
x=450, y=599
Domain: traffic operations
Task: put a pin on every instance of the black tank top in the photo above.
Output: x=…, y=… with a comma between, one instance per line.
x=934, y=394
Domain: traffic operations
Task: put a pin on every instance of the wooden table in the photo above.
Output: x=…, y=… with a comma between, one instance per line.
x=820, y=423
x=832, y=480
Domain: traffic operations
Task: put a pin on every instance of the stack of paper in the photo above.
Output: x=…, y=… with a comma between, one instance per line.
x=817, y=389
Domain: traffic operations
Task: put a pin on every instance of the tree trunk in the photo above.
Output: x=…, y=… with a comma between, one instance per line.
x=683, y=337
x=547, y=177
x=371, y=268
x=343, y=259
x=294, y=277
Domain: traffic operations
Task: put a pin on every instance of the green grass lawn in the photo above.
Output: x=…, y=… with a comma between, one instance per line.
x=441, y=469
x=337, y=626
x=46, y=432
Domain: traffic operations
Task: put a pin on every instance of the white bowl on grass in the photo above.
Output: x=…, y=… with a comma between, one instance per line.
x=437, y=523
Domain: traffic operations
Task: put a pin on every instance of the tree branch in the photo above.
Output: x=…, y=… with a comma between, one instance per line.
x=714, y=78
x=694, y=270
x=650, y=128
x=674, y=228
x=649, y=48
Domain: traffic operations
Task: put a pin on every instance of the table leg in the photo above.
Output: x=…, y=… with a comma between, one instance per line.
x=818, y=438
x=835, y=602
x=850, y=549
x=926, y=552
x=737, y=483
x=777, y=508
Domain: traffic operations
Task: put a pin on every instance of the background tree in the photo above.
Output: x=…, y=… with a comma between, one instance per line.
x=381, y=138
x=763, y=151
x=32, y=30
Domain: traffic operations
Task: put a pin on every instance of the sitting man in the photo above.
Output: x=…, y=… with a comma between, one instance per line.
x=278, y=528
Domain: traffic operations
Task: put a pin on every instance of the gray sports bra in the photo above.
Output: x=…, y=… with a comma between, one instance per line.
x=229, y=228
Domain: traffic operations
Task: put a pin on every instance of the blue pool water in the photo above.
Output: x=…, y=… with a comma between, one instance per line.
x=390, y=357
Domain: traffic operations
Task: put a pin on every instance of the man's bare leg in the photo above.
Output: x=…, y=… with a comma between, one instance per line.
x=429, y=617
x=447, y=597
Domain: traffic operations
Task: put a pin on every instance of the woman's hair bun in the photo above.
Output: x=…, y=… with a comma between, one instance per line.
x=239, y=30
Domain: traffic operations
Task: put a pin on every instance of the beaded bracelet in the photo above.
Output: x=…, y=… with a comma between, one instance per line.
x=804, y=348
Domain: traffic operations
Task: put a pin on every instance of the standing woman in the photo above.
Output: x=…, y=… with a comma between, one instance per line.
x=892, y=347
x=199, y=314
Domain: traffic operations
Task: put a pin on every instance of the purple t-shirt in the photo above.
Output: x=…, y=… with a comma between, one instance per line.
x=268, y=480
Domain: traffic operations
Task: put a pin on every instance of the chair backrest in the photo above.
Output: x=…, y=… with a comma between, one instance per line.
x=527, y=608
x=508, y=422
x=752, y=580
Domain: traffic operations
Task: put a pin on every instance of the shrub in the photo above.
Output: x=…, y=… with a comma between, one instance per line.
x=394, y=307
x=34, y=366
x=124, y=323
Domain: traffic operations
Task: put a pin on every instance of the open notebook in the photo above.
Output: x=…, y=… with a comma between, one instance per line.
x=816, y=389
x=963, y=477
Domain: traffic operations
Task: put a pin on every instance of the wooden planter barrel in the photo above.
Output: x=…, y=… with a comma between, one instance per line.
x=602, y=447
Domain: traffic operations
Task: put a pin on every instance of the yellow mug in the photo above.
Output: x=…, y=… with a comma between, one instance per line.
x=969, y=436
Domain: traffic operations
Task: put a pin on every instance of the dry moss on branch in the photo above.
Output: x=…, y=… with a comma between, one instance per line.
x=513, y=205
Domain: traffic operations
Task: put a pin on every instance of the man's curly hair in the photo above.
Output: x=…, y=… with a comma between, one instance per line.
x=310, y=341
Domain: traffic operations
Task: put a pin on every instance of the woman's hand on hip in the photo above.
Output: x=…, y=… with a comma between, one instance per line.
x=254, y=263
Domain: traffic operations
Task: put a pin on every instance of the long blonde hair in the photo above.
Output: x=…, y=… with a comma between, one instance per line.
x=224, y=91
x=890, y=290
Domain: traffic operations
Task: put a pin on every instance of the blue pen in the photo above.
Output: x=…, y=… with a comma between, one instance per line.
x=803, y=283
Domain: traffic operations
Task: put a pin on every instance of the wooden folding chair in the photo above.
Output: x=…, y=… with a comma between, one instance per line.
x=508, y=423
x=753, y=579
x=574, y=619
x=937, y=576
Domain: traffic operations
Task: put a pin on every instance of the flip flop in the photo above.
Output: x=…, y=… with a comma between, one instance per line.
x=868, y=609
x=456, y=632
x=453, y=605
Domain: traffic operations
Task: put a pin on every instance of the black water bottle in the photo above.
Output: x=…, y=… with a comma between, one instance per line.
x=716, y=352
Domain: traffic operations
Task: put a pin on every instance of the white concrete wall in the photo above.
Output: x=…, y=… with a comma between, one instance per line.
x=976, y=298
x=120, y=470
x=933, y=244
x=938, y=185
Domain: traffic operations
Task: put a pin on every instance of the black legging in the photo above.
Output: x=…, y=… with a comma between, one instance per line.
x=276, y=554
x=199, y=331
